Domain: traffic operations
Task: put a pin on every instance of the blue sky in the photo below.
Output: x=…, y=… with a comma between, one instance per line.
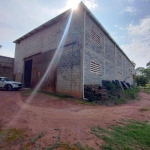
x=127, y=21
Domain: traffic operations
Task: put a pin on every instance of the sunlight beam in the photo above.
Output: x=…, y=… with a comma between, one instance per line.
x=50, y=67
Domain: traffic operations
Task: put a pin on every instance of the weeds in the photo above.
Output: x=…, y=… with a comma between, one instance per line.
x=129, y=135
x=146, y=90
x=85, y=102
x=11, y=136
x=144, y=109
x=131, y=93
x=121, y=97
x=33, y=140
x=67, y=146
x=111, y=94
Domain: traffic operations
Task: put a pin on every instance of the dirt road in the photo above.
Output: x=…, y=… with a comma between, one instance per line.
x=64, y=119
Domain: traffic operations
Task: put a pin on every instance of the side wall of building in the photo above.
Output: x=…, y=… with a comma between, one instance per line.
x=6, y=67
x=39, y=42
x=69, y=71
x=68, y=63
x=114, y=65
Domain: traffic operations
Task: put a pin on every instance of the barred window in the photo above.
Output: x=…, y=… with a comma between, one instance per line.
x=95, y=68
x=95, y=37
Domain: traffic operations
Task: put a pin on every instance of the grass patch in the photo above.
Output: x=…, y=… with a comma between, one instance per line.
x=67, y=146
x=11, y=136
x=121, y=97
x=131, y=93
x=85, y=102
x=34, y=139
x=110, y=94
x=26, y=92
x=29, y=91
x=146, y=90
x=60, y=96
x=128, y=135
x=144, y=109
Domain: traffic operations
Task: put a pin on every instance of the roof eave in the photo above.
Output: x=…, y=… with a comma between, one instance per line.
x=43, y=26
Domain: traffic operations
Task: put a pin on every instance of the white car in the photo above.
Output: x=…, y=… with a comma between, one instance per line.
x=8, y=84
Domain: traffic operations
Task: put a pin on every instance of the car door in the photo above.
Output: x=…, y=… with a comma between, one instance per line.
x=2, y=82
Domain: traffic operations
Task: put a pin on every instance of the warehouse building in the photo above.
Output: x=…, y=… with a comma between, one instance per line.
x=88, y=56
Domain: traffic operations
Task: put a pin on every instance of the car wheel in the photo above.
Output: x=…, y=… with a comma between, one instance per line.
x=8, y=87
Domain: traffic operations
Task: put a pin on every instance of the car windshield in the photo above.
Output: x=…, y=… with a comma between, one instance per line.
x=7, y=79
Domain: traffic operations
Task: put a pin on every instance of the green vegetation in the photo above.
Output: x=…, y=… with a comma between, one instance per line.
x=60, y=96
x=146, y=90
x=141, y=80
x=128, y=135
x=116, y=96
x=26, y=92
x=34, y=139
x=67, y=146
x=8, y=137
x=143, y=75
x=85, y=102
x=112, y=94
x=131, y=93
x=144, y=109
x=11, y=138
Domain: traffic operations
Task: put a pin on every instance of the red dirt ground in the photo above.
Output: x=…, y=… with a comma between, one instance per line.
x=63, y=118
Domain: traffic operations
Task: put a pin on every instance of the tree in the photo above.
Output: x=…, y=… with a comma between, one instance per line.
x=143, y=75
x=141, y=80
x=148, y=64
x=1, y=46
x=139, y=70
x=147, y=73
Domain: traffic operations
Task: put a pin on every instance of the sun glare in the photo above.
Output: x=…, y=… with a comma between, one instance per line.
x=73, y=3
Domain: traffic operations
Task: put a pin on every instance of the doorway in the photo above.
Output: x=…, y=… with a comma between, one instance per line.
x=27, y=73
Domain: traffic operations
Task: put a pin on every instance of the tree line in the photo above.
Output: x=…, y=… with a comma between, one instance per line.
x=143, y=75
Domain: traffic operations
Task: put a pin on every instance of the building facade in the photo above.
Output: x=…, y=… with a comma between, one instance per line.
x=88, y=55
x=6, y=67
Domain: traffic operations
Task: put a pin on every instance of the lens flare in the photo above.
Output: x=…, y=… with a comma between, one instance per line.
x=51, y=65
x=73, y=4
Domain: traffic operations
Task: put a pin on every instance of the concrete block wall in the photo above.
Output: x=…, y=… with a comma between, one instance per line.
x=69, y=71
x=114, y=65
x=109, y=59
x=93, y=52
x=42, y=41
